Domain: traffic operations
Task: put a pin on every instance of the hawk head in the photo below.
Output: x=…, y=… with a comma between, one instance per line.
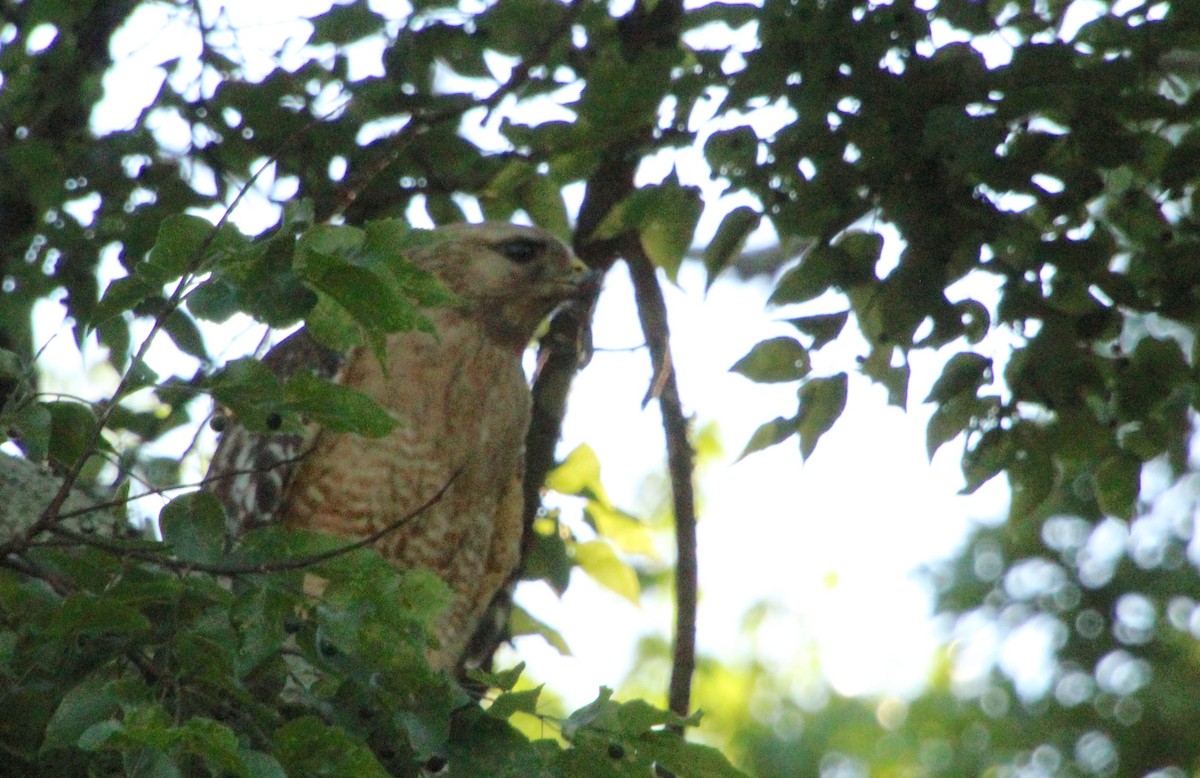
x=510, y=276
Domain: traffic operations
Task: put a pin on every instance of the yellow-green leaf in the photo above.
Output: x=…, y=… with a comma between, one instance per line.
x=599, y=561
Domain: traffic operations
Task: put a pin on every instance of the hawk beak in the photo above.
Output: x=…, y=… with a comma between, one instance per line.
x=585, y=282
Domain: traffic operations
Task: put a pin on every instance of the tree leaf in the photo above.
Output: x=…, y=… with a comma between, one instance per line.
x=193, y=525
x=822, y=401
x=822, y=328
x=86, y=704
x=508, y=703
x=669, y=214
x=307, y=746
x=71, y=428
x=579, y=475
x=504, y=680
x=729, y=239
x=1118, y=483
x=521, y=622
x=964, y=373
x=601, y=563
x=775, y=360
x=181, y=242
x=337, y=408
x=773, y=432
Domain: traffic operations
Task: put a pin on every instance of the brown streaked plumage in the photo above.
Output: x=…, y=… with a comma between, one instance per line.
x=463, y=404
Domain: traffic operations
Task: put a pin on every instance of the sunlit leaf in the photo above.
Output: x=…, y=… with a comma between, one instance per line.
x=601, y=563
x=520, y=622
x=579, y=474
x=626, y=532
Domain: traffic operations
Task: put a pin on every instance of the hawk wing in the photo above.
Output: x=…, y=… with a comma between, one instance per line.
x=250, y=470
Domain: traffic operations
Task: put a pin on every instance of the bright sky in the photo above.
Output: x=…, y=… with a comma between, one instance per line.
x=836, y=543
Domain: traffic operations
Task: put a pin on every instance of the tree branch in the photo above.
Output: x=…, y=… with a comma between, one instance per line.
x=652, y=311
x=282, y=565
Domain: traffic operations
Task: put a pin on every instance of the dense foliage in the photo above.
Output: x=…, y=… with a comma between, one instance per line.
x=1037, y=160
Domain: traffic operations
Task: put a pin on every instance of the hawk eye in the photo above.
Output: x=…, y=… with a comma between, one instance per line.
x=521, y=250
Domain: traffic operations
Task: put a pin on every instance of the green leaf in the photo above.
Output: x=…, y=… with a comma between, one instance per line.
x=729, y=239
x=337, y=408
x=521, y=622
x=509, y=703
x=1118, y=483
x=71, y=428
x=87, y=704
x=185, y=335
x=953, y=417
x=822, y=401
x=637, y=717
x=542, y=199
x=504, y=680
x=775, y=360
x=984, y=461
x=669, y=214
x=344, y=24
x=10, y=365
x=975, y=319
x=307, y=746
x=964, y=373
x=579, y=475
x=625, y=531
x=773, y=432
x=181, y=242
x=547, y=558
x=686, y=759
x=261, y=765
x=1031, y=479
x=193, y=525
x=370, y=283
x=83, y=613
x=822, y=328
x=124, y=294
x=732, y=152
x=813, y=276
x=598, y=560
x=30, y=426
x=879, y=368
x=251, y=391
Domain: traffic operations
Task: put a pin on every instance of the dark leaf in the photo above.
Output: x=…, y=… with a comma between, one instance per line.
x=822, y=328
x=730, y=238
x=822, y=401
x=194, y=527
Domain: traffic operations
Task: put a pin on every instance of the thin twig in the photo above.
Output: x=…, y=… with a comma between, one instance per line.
x=118, y=549
x=652, y=311
x=424, y=120
x=50, y=514
x=161, y=490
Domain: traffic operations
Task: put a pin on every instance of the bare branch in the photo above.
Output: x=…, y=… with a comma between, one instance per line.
x=652, y=311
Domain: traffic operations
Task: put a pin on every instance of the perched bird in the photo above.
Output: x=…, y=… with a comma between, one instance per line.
x=463, y=403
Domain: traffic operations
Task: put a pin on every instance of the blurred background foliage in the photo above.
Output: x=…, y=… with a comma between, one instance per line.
x=1033, y=162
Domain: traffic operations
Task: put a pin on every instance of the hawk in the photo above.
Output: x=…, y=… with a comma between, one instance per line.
x=463, y=403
